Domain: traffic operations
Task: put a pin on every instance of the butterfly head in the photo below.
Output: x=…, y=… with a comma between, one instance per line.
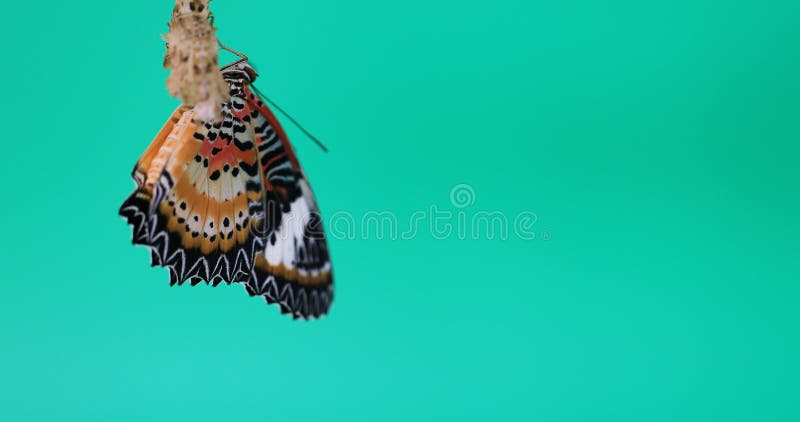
x=240, y=72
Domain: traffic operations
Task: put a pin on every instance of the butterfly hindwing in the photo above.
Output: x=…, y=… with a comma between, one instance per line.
x=201, y=204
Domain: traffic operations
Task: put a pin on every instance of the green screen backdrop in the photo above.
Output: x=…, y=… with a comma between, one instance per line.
x=637, y=163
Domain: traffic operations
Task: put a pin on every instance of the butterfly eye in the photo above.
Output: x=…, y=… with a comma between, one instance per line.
x=250, y=72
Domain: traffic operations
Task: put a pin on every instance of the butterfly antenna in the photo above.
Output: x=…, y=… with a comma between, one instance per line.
x=288, y=116
x=242, y=57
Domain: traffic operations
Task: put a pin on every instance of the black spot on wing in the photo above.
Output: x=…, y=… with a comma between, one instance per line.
x=251, y=170
x=243, y=145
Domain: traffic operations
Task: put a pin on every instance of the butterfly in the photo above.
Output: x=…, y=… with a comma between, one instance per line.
x=228, y=202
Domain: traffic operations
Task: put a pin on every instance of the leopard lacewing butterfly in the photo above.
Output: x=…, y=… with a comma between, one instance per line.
x=229, y=202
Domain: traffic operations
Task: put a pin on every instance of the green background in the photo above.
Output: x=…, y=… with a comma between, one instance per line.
x=656, y=141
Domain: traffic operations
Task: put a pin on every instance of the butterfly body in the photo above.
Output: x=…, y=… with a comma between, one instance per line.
x=229, y=202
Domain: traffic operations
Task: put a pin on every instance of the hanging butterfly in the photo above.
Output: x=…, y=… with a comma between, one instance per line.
x=229, y=202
